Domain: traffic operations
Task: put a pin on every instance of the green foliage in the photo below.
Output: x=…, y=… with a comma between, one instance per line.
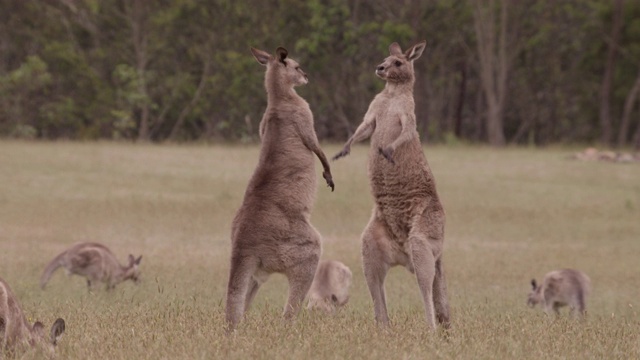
x=94, y=69
x=31, y=76
x=394, y=32
x=20, y=90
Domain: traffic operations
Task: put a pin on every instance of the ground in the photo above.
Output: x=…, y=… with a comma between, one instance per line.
x=512, y=214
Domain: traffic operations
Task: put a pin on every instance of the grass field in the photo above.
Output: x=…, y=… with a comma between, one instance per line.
x=512, y=214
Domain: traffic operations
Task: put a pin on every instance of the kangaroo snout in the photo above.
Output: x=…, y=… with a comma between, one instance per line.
x=531, y=303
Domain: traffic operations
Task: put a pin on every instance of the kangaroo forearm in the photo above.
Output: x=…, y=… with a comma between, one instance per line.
x=406, y=135
x=323, y=159
x=261, y=129
x=363, y=132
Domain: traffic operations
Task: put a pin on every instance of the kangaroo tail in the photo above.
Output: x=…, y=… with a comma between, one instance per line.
x=50, y=269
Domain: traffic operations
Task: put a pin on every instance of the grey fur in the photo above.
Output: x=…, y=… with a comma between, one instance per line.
x=272, y=232
x=330, y=287
x=15, y=331
x=565, y=287
x=95, y=262
x=407, y=224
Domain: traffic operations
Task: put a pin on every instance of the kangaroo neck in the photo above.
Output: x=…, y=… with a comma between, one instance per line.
x=276, y=93
x=395, y=89
x=121, y=273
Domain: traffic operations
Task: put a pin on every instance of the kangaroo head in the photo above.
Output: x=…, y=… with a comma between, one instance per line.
x=133, y=269
x=339, y=302
x=398, y=66
x=39, y=337
x=535, y=296
x=281, y=70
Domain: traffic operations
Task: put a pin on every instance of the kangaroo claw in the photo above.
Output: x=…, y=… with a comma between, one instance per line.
x=387, y=153
x=344, y=152
x=329, y=179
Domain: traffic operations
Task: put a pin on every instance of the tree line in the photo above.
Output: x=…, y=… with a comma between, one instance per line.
x=494, y=71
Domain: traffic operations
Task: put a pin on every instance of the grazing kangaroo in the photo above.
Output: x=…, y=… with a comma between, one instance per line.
x=15, y=331
x=95, y=262
x=561, y=288
x=271, y=232
x=407, y=224
x=330, y=287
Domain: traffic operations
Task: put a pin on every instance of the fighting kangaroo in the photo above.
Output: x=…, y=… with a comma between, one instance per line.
x=407, y=224
x=16, y=332
x=95, y=262
x=271, y=232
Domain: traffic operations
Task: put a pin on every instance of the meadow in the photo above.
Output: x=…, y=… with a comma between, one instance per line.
x=512, y=214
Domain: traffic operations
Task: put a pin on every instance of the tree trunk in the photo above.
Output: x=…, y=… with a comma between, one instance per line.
x=196, y=96
x=493, y=68
x=462, y=91
x=137, y=16
x=629, y=103
x=607, y=79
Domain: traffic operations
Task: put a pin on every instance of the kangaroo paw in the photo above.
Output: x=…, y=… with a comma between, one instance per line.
x=344, y=152
x=329, y=179
x=387, y=153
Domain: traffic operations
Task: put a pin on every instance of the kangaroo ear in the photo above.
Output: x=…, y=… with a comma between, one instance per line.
x=57, y=329
x=137, y=262
x=132, y=259
x=263, y=57
x=416, y=50
x=534, y=284
x=282, y=54
x=394, y=49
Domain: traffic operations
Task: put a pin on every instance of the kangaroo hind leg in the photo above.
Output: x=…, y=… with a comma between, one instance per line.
x=425, y=240
x=254, y=285
x=424, y=266
x=300, y=278
x=240, y=277
x=440, y=297
x=376, y=267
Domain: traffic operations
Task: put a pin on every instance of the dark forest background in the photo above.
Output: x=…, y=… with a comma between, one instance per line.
x=494, y=71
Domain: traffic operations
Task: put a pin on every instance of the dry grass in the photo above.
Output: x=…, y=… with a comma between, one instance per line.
x=512, y=214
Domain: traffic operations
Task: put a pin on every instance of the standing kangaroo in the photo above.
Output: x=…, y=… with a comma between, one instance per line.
x=15, y=331
x=95, y=262
x=561, y=288
x=271, y=232
x=407, y=224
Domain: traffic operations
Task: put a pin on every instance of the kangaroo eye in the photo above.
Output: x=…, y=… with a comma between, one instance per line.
x=398, y=63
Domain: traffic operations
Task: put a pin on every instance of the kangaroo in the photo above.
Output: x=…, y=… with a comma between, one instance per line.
x=95, y=262
x=561, y=288
x=407, y=224
x=16, y=332
x=271, y=231
x=330, y=287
